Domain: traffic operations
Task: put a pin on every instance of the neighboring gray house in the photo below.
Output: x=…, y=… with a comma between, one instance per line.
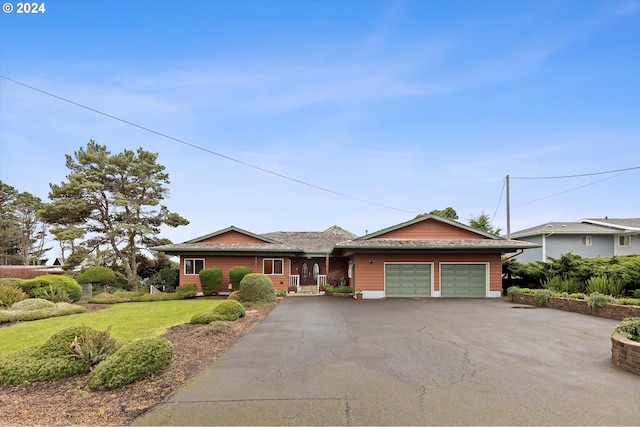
x=589, y=237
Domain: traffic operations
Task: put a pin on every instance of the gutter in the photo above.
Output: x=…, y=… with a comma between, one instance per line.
x=520, y=251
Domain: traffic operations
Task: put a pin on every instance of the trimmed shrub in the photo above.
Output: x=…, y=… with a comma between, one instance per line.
x=206, y=317
x=134, y=361
x=37, y=286
x=629, y=301
x=629, y=327
x=53, y=359
x=229, y=308
x=605, y=285
x=22, y=367
x=236, y=274
x=257, y=289
x=596, y=301
x=235, y=295
x=9, y=295
x=166, y=279
x=281, y=293
x=97, y=275
x=11, y=281
x=542, y=296
x=32, y=304
x=210, y=279
x=187, y=291
x=59, y=309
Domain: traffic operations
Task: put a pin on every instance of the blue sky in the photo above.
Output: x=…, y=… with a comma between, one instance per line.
x=411, y=105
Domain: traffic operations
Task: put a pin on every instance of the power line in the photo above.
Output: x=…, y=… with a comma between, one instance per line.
x=163, y=135
x=504, y=183
x=575, y=176
x=577, y=188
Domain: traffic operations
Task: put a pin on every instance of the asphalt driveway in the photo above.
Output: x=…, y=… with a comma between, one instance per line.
x=335, y=361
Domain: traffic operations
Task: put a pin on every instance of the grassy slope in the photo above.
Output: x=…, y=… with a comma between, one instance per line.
x=128, y=320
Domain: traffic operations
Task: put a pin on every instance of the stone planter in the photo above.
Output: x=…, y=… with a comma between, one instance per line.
x=610, y=311
x=625, y=353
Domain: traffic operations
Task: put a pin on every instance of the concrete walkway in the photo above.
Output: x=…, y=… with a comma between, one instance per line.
x=336, y=361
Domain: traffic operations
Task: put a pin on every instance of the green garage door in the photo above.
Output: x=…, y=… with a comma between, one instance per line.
x=463, y=280
x=407, y=280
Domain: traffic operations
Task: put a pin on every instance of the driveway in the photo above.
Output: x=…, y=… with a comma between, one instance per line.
x=336, y=361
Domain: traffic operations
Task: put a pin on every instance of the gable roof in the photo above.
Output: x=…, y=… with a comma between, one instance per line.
x=584, y=226
x=227, y=230
x=280, y=242
x=425, y=218
x=486, y=242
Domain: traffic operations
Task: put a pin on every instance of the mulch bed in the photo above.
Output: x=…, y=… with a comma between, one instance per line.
x=68, y=401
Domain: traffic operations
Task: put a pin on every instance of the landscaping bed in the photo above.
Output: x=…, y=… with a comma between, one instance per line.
x=625, y=353
x=611, y=311
x=69, y=401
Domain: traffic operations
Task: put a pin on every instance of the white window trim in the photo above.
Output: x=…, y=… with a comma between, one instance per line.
x=626, y=237
x=194, y=265
x=273, y=264
x=587, y=240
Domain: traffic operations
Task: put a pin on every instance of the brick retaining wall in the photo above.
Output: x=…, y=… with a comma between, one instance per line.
x=625, y=353
x=610, y=311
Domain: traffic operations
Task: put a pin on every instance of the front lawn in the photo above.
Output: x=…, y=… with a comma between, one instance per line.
x=128, y=321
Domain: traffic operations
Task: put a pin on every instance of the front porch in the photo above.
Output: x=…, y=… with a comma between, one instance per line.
x=296, y=287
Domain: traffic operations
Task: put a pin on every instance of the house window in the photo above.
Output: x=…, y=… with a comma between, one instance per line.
x=624, y=240
x=193, y=266
x=272, y=266
x=586, y=240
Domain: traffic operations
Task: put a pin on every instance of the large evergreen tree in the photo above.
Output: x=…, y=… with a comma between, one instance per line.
x=115, y=198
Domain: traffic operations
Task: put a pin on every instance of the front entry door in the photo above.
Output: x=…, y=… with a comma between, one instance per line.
x=309, y=271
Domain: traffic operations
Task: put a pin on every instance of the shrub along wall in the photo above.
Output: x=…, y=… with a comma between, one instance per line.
x=610, y=311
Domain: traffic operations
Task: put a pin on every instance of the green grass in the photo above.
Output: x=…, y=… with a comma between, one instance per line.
x=128, y=321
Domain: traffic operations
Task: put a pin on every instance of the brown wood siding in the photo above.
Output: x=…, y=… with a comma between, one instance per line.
x=369, y=276
x=430, y=229
x=232, y=236
x=280, y=281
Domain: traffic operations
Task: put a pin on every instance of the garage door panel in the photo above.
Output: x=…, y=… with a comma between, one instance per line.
x=406, y=280
x=463, y=280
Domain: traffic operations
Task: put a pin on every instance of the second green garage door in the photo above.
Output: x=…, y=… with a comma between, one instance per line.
x=463, y=280
x=407, y=280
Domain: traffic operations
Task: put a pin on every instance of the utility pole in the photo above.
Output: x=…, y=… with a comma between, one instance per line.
x=508, y=210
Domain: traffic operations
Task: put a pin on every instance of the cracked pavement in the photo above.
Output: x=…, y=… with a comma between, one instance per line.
x=337, y=361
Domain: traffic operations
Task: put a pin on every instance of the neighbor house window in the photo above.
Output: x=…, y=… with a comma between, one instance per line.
x=586, y=240
x=193, y=266
x=272, y=266
x=624, y=240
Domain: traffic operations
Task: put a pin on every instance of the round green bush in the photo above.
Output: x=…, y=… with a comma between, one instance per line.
x=629, y=327
x=32, y=304
x=257, y=289
x=206, y=317
x=235, y=295
x=36, y=286
x=134, y=361
x=18, y=368
x=210, y=279
x=236, y=274
x=9, y=295
x=230, y=308
x=97, y=274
